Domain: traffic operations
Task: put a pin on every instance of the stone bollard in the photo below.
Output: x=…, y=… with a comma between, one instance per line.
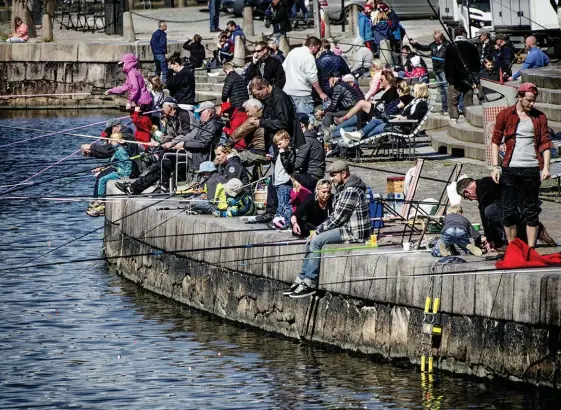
x=353, y=21
x=239, y=52
x=47, y=28
x=283, y=45
x=327, y=24
x=386, y=54
x=128, y=27
x=248, y=27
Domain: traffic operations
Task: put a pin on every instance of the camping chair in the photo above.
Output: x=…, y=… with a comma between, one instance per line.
x=396, y=139
x=404, y=215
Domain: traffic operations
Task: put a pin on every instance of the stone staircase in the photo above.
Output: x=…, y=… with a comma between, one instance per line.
x=467, y=137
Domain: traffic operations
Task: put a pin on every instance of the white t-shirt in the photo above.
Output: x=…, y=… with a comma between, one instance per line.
x=301, y=72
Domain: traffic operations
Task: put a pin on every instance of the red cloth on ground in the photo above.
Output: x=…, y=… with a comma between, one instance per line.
x=143, y=125
x=519, y=255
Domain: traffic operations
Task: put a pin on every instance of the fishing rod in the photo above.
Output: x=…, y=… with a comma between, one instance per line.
x=8, y=97
x=159, y=253
x=82, y=236
x=78, y=135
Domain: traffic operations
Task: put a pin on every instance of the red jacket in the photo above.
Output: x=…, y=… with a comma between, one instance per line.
x=507, y=124
x=237, y=118
x=143, y=125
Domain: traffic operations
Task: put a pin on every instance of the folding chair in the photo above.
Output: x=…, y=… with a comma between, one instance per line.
x=182, y=157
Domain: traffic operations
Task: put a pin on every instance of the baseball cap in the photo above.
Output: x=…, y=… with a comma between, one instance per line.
x=368, y=7
x=205, y=105
x=233, y=187
x=303, y=118
x=528, y=88
x=113, y=123
x=207, y=166
x=337, y=166
x=170, y=100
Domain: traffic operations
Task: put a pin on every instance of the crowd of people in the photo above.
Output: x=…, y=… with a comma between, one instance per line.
x=282, y=111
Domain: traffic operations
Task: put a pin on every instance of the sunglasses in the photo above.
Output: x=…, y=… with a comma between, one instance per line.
x=258, y=51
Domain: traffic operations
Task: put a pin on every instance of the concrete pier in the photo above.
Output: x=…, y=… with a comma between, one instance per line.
x=494, y=325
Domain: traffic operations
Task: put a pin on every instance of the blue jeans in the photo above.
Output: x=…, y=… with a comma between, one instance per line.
x=304, y=105
x=161, y=66
x=106, y=171
x=312, y=260
x=284, y=208
x=374, y=127
x=456, y=236
x=346, y=125
x=214, y=10
x=299, y=5
x=103, y=183
x=441, y=78
x=204, y=207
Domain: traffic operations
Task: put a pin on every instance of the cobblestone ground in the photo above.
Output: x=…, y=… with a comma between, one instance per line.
x=375, y=174
x=194, y=20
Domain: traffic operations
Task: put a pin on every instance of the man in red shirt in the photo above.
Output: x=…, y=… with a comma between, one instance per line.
x=525, y=132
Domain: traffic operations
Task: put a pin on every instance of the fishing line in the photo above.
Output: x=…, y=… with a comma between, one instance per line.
x=80, y=237
x=153, y=253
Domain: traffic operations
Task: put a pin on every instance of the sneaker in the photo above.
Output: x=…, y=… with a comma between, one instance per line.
x=353, y=136
x=124, y=187
x=474, y=249
x=544, y=237
x=291, y=289
x=443, y=249
x=94, y=204
x=302, y=291
x=95, y=212
x=271, y=225
x=453, y=121
x=264, y=218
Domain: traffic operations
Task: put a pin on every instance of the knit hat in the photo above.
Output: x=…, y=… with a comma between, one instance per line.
x=233, y=187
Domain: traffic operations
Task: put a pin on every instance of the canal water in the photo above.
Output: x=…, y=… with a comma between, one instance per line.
x=79, y=336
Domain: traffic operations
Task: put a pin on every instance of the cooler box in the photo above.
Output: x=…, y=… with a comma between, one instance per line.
x=376, y=209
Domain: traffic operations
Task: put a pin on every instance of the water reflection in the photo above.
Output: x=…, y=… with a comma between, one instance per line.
x=79, y=336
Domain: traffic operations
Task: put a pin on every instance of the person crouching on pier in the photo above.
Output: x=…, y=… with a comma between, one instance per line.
x=135, y=86
x=458, y=231
x=349, y=222
x=121, y=168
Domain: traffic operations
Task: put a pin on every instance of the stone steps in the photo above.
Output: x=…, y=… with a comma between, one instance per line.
x=545, y=77
x=466, y=132
x=444, y=144
x=474, y=115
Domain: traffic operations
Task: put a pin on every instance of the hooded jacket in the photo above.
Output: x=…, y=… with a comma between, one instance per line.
x=200, y=140
x=181, y=86
x=279, y=114
x=235, y=90
x=273, y=71
x=197, y=52
x=280, y=18
x=351, y=213
x=138, y=93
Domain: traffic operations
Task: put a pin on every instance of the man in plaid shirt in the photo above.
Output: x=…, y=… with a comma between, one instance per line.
x=349, y=222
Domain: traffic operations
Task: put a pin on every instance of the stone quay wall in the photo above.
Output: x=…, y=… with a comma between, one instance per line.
x=494, y=326
x=67, y=68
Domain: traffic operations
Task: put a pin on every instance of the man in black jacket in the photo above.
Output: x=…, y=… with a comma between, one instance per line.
x=180, y=81
x=503, y=55
x=461, y=67
x=278, y=114
x=485, y=46
x=266, y=66
x=235, y=88
x=344, y=98
x=490, y=203
x=437, y=52
x=280, y=19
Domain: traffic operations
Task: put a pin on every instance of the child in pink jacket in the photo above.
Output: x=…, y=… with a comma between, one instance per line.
x=138, y=93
